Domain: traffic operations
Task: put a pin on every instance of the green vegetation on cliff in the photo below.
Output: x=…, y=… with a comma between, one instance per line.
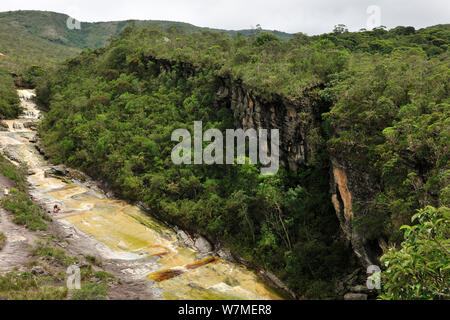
x=26, y=286
x=46, y=40
x=9, y=100
x=391, y=120
x=420, y=268
x=2, y=240
x=112, y=111
x=18, y=202
x=47, y=277
x=16, y=174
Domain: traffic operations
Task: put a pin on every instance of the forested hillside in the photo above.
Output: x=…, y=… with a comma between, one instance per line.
x=378, y=111
x=34, y=41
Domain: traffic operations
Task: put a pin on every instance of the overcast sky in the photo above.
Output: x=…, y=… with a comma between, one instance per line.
x=311, y=17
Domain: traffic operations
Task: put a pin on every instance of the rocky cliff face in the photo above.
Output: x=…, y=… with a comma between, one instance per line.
x=296, y=120
x=299, y=125
x=348, y=188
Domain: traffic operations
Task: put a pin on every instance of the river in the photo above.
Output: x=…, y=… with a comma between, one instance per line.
x=120, y=232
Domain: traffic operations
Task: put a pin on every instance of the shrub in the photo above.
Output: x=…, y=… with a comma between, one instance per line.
x=16, y=174
x=91, y=291
x=47, y=252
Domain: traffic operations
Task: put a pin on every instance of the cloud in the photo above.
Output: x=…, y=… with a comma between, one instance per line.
x=311, y=17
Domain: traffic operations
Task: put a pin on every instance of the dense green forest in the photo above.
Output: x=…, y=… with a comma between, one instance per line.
x=9, y=101
x=392, y=119
x=111, y=112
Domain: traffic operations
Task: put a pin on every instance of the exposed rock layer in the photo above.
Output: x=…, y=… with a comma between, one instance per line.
x=299, y=123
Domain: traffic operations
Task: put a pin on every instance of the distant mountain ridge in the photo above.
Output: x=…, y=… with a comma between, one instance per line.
x=28, y=37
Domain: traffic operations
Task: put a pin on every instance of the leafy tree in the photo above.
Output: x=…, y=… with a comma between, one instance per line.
x=420, y=269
